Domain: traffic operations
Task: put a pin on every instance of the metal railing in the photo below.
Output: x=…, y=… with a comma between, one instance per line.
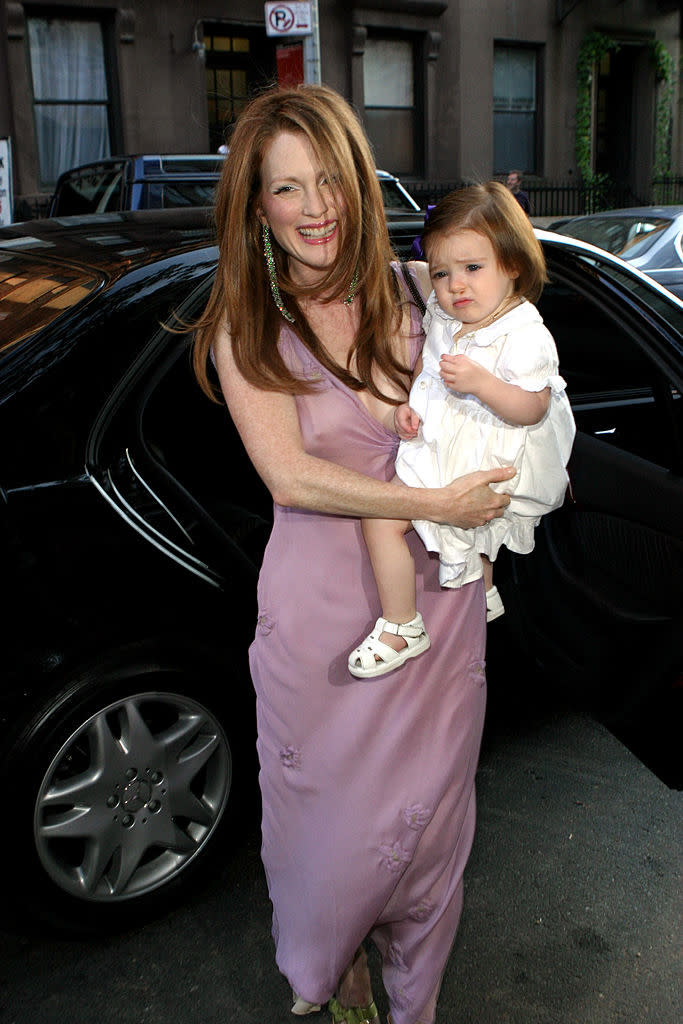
x=566, y=199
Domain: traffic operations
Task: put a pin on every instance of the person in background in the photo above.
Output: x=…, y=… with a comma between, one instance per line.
x=514, y=183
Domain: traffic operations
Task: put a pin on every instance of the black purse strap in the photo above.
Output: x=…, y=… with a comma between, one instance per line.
x=413, y=289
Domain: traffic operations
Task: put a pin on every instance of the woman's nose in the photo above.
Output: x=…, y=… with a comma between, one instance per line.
x=315, y=203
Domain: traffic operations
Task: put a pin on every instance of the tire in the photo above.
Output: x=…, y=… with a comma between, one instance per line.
x=124, y=788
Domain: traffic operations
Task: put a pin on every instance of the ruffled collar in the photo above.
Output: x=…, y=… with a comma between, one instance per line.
x=521, y=315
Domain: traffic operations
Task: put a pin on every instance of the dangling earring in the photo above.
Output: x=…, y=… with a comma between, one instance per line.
x=272, y=274
x=352, y=289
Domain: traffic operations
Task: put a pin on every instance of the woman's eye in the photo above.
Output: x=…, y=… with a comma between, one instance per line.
x=282, y=188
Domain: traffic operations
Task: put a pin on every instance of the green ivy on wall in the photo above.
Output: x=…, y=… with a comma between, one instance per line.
x=593, y=48
x=665, y=76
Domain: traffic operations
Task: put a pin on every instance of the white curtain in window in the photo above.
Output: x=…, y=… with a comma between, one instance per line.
x=514, y=109
x=388, y=73
x=67, y=64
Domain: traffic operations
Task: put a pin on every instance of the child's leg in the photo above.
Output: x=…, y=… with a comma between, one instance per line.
x=487, y=566
x=382, y=650
x=394, y=569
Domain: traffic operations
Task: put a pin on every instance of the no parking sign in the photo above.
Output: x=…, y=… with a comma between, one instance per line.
x=289, y=19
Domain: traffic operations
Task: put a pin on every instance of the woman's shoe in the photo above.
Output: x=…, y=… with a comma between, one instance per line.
x=363, y=661
x=301, y=1007
x=352, y=1014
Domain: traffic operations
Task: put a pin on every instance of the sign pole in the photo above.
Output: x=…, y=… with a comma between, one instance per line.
x=312, y=48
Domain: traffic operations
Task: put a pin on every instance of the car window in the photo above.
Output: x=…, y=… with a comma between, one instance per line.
x=94, y=192
x=617, y=391
x=642, y=237
x=627, y=235
x=188, y=193
x=394, y=198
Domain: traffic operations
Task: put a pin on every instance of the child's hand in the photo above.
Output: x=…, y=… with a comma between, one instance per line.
x=406, y=422
x=460, y=373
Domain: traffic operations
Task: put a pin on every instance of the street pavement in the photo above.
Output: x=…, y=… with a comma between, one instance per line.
x=571, y=910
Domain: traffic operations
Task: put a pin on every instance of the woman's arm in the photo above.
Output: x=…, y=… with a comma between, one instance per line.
x=509, y=401
x=268, y=425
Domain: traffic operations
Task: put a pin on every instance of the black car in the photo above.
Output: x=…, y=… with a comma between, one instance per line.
x=132, y=527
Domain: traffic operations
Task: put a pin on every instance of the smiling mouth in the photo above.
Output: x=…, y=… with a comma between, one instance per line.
x=319, y=232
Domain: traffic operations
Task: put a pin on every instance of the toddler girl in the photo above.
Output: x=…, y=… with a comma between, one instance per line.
x=486, y=393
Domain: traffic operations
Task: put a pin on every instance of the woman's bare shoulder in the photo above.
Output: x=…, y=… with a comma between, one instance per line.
x=421, y=271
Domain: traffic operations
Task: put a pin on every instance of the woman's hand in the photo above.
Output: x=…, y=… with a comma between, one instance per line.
x=469, y=501
x=406, y=422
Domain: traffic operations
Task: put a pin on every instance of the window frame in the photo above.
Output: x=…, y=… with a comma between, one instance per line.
x=538, y=50
x=416, y=41
x=112, y=105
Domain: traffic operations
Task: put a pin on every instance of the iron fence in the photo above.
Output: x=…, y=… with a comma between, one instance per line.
x=566, y=199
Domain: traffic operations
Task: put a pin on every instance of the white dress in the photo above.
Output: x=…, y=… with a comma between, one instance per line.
x=459, y=434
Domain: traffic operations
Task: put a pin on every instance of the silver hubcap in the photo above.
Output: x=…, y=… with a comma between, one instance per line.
x=132, y=796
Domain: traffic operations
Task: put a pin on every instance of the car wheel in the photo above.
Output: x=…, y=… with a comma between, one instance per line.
x=124, y=789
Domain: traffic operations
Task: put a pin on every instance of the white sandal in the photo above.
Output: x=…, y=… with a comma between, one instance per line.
x=363, y=661
x=494, y=604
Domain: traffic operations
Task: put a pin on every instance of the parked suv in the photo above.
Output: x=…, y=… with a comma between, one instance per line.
x=162, y=182
x=136, y=183
x=122, y=183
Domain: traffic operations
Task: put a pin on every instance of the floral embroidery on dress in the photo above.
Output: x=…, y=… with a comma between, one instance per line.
x=421, y=911
x=264, y=624
x=395, y=952
x=394, y=856
x=400, y=997
x=416, y=816
x=291, y=757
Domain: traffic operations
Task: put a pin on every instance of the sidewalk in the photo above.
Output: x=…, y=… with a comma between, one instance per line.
x=571, y=910
x=572, y=901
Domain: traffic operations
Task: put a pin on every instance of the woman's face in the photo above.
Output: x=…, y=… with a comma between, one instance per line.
x=301, y=207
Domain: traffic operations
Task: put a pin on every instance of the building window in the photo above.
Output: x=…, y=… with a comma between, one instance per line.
x=515, y=109
x=71, y=101
x=239, y=61
x=391, y=116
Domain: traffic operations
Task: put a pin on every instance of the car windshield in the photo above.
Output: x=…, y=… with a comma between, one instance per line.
x=34, y=292
x=97, y=191
x=626, y=236
x=395, y=198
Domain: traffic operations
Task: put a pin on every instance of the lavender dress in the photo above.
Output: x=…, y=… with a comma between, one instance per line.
x=368, y=785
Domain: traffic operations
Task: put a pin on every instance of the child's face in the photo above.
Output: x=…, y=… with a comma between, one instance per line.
x=469, y=282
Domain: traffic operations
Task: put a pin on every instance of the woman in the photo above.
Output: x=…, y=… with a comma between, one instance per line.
x=368, y=806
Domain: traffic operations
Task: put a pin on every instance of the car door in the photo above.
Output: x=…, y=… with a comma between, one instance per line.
x=598, y=604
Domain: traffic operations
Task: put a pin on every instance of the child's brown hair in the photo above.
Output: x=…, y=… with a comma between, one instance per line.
x=491, y=210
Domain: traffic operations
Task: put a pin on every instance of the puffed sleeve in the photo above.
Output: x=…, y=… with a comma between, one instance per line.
x=529, y=360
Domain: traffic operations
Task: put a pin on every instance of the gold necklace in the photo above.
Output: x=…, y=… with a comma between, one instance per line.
x=506, y=305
